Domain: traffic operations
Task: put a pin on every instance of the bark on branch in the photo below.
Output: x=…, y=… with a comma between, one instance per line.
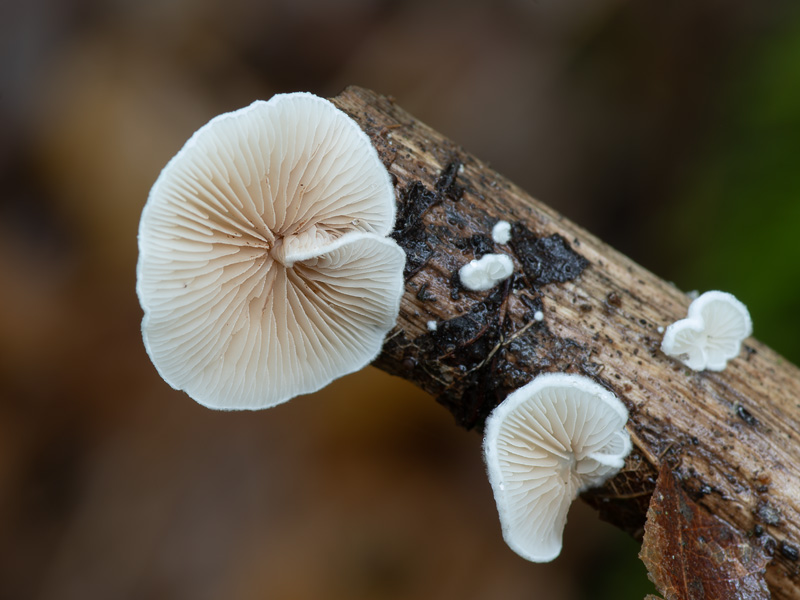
x=732, y=437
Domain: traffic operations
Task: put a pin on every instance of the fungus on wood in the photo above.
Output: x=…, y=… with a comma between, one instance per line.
x=603, y=319
x=557, y=436
x=264, y=268
x=711, y=334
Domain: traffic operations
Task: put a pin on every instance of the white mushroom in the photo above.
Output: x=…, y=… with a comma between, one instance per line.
x=486, y=272
x=501, y=232
x=547, y=442
x=264, y=271
x=711, y=335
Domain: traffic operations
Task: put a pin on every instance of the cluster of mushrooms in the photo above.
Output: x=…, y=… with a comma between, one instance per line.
x=265, y=272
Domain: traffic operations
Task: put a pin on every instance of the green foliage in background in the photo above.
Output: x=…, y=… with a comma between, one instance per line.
x=738, y=224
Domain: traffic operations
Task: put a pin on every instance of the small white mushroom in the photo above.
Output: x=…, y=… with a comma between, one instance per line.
x=432, y=326
x=538, y=316
x=264, y=271
x=712, y=333
x=486, y=272
x=547, y=442
x=501, y=232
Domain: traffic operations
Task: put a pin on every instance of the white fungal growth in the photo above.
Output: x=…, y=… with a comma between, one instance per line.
x=711, y=334
x=265, y=270
x=547, y=442
x=501, y=232
x=486, y=272
x=432, y=326
x=538, y=316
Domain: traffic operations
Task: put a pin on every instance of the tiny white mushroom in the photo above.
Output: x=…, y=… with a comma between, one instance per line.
x=486, y=272
x=544, y=444
x=712, y=333
x=432, y=326
x=264, y=271
x=501, y=232
x=538, y=316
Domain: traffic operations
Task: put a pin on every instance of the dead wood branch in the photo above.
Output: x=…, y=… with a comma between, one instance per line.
x=731, y=437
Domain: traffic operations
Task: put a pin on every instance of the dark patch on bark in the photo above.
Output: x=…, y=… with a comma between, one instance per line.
x=745, y=415
x=446, y=184
x=534, y=304
x=481, y=394
x=477, y=244
x=488, y=357
x=416, y=200
x=624, y=499
x=789, y=552
x=423, y=295
x=409, y=232
x=545, y=260
x=462, y=341
x=403, y=359
x=455, y=286
x=464, y=344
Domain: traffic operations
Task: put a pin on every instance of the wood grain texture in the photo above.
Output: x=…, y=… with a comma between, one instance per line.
x=730, y=437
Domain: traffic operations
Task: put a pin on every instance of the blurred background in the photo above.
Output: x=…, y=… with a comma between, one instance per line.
x=670, y=130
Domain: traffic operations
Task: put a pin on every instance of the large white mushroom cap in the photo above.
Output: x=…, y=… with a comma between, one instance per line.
x=548, y=441
x=712, y=333
x=264, y=271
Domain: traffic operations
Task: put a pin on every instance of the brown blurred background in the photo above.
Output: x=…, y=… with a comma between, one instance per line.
x=671, y=130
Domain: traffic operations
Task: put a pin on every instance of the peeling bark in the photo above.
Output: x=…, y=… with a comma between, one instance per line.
x=730, y=437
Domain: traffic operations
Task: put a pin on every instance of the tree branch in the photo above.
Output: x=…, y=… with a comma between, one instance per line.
x=732, y=437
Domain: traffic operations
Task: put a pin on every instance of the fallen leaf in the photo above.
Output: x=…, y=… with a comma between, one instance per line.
x=693, y=555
